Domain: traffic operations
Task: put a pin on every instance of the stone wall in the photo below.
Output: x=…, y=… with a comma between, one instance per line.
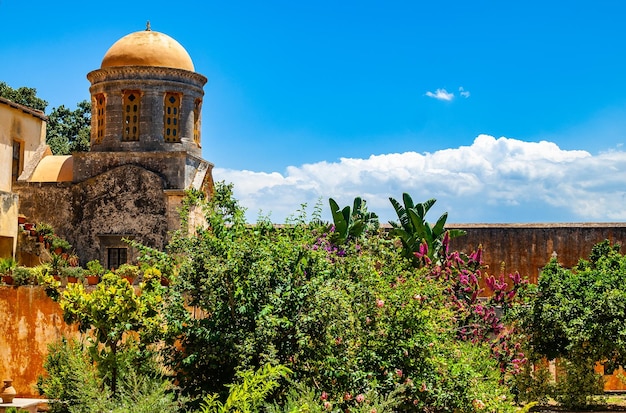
x=526, y=248
x=127, y=201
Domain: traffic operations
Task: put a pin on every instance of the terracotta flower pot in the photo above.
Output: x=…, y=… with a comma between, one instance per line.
x=8, y=392
x=92, y=279
x=72, y=280
x=8, y=279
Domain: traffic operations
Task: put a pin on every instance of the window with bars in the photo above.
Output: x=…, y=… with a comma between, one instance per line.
x=171, y=117
x=116, y=257
x=196, y=121
x=131, y=103
x=100, y=104
x=17, y=164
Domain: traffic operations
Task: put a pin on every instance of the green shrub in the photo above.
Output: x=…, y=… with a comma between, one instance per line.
x=347, y=321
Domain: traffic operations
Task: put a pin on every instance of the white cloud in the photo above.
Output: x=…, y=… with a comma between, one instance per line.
x=441, y=94
x=491, y=180
x=464, y=93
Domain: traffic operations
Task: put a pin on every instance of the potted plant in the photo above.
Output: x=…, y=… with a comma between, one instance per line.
x=94, y=271
x=58, y=245
x=58, y=264
x=44, y=231
x=128, y=272
x=7, y=265
x=72, y=259
x=24, y=276
x=152, y=273
x=73, y=274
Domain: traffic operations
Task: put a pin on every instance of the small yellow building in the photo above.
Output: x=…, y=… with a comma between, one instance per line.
x=22, y=145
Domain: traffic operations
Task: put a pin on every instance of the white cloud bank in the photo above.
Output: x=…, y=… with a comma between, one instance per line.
x=493, y=180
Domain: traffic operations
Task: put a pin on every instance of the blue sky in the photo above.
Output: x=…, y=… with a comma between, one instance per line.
x=502, y=111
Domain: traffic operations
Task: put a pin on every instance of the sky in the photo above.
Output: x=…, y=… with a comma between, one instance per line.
x=501, y=111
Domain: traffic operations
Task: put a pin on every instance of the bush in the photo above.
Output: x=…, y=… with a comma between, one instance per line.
x=347, y=320
x=73, y=384
x=578, y=316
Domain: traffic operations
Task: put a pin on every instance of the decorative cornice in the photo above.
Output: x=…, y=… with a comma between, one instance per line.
x=145, y=73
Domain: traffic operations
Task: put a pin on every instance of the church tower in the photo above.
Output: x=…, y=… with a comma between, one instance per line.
x=146, y=151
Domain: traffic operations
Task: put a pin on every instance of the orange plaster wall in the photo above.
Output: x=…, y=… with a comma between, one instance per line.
x=29, y=320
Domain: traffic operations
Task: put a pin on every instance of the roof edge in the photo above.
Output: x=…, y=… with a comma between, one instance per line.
x=34, y=112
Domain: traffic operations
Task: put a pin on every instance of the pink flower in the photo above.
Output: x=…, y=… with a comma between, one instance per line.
x=324, y=396
x=423, y=388
x=478, y=404
x=328, y=406
x=380, y=303
x=360, y=398
x=347, y=396
x=399, y=372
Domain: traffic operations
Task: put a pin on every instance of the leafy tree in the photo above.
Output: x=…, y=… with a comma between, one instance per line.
x=69, y=130
x=110, y=312
x=24, y=96
x=416, y=234
x=579, y=316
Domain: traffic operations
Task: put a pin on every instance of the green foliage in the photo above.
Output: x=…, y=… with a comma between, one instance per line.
x=44, y=229
x=7, y=265
x=24, y=96
x=15, y=410
x=69, y=130
x=76, y=272
x=128, y=270
x=250, y=394
x=303, y=399
x=24, y=276
x=347, y=322
x=351, y=224
x=113, y=309
x=69, y=371
x=73, y=384
x=417, y=235
x=579, y=383
x=95, y=268
x=58, y=242
x=579, y=316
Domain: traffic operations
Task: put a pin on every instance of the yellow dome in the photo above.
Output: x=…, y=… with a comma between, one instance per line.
x=147, y=48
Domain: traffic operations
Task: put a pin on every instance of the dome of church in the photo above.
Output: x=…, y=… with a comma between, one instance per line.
x=147, y=48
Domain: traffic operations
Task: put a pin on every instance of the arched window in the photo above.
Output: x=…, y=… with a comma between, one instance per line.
x=171, y=117
x=130, y=127
x=100, y=104
x=196, y=121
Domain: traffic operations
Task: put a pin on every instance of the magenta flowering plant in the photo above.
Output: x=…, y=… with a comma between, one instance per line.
x=481, y=303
